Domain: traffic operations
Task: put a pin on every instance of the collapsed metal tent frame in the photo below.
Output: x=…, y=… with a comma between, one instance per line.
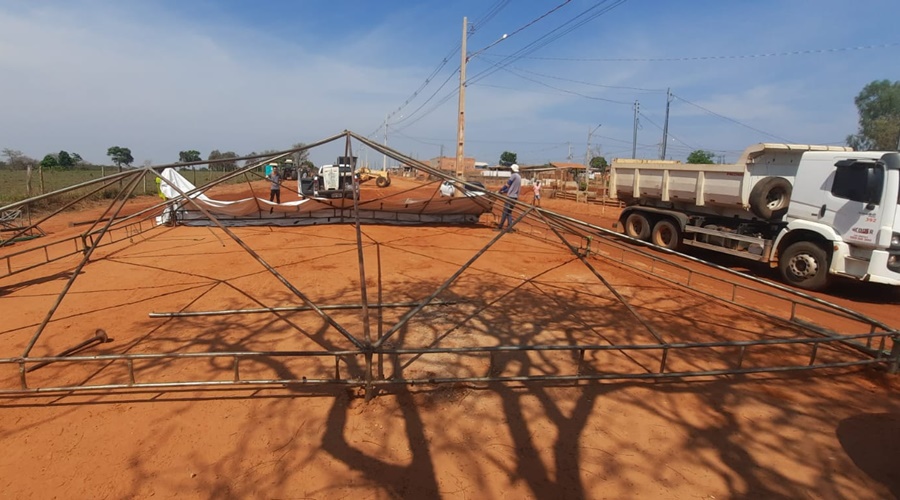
x=874, y=342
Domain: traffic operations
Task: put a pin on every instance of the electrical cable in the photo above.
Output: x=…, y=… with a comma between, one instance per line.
x=661, y=128
x=617, y=87
x=707, y=58
x=551, y=36
x=566, y=90
x=781, y=139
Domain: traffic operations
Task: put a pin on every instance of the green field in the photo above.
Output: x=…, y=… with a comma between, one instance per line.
x=13, y=183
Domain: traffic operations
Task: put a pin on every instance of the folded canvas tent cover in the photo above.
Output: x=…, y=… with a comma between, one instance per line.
x=399, y=209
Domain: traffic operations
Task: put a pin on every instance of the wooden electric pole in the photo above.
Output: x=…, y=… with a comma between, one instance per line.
x=662, y=155
x=461, y=119
x=637, y=107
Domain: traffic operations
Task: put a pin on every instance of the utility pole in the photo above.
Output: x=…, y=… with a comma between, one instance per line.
x=587, y=151
x=461, y=119
x=662, y=155
x=637, y=107
x=569, y=157
x=384, y=157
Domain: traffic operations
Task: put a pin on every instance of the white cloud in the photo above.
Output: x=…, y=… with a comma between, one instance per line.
x=85, y=75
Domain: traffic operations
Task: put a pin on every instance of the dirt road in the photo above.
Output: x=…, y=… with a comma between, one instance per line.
x=822, y=435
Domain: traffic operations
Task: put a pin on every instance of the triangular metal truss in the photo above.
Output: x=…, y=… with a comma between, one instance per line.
x=858, y=340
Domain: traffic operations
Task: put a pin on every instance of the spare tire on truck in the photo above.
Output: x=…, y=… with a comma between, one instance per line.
x=770, y=197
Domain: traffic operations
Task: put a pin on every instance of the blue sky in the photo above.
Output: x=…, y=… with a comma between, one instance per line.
x=161, y=76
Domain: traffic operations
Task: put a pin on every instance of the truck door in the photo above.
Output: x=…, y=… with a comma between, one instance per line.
x=330, y=176
x=853, y=201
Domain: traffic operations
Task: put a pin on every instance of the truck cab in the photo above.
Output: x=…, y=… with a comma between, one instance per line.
x=851, y=201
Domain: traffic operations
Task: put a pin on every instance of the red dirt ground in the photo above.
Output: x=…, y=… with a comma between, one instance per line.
x=829, y=434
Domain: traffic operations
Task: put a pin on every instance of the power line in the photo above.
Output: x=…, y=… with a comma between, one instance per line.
x=437, y=105
x=616, y=87
x=567, y=27
x=487, y=17
x=670, y=134
x=566, y=90
x=490, y=14
x=707, y=58
x=530, y=48
x=421, y=87
x=731, y=119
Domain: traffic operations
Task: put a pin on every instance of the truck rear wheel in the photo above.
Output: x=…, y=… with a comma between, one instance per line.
x=637, y=226
x=382, y=182
x=770, y=197
x=804, y=265
x=666, y=234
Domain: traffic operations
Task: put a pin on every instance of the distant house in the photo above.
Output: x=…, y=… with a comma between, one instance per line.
x=565, y=171
x=448, y=165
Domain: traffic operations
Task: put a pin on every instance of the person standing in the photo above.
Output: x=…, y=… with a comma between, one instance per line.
x=510, y=189
x=275, y=190
x=537, y=193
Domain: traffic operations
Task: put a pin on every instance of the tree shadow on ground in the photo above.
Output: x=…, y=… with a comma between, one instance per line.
x=872, y=441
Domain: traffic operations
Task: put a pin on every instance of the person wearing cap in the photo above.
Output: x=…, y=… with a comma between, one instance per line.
x=275, y=179
x=510, y=189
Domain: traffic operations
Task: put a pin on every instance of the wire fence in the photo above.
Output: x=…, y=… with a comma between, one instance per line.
x=18, y=185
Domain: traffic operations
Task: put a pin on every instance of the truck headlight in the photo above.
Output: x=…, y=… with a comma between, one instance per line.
x=895, y=240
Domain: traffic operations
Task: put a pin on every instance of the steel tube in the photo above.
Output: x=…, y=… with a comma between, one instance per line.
x=268, y=267
x=608, y=285
x=436, y=380
x=444, y=350
x=449, y=281
x=225, y=312
x=87, y=256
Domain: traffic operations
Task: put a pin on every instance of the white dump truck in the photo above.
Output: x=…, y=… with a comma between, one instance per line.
x=812, y=211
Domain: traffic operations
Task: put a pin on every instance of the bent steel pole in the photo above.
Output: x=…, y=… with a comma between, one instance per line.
x=607, y=284
x=405, y=319
x=84, y=260
x=54, y=213
x=268, y=267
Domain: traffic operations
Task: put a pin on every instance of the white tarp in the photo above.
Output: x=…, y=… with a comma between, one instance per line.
x=258, y=211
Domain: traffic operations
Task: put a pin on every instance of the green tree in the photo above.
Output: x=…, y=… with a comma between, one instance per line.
x=49, y=161
x=508, y=158
x=599, y=164
x=250, y=162
x=189, y=156
x=879, y=117
x=221, y=160
x=701, y=156
x=77, y=158
x=65, y=160
x=300, y=156
x=120, y=156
